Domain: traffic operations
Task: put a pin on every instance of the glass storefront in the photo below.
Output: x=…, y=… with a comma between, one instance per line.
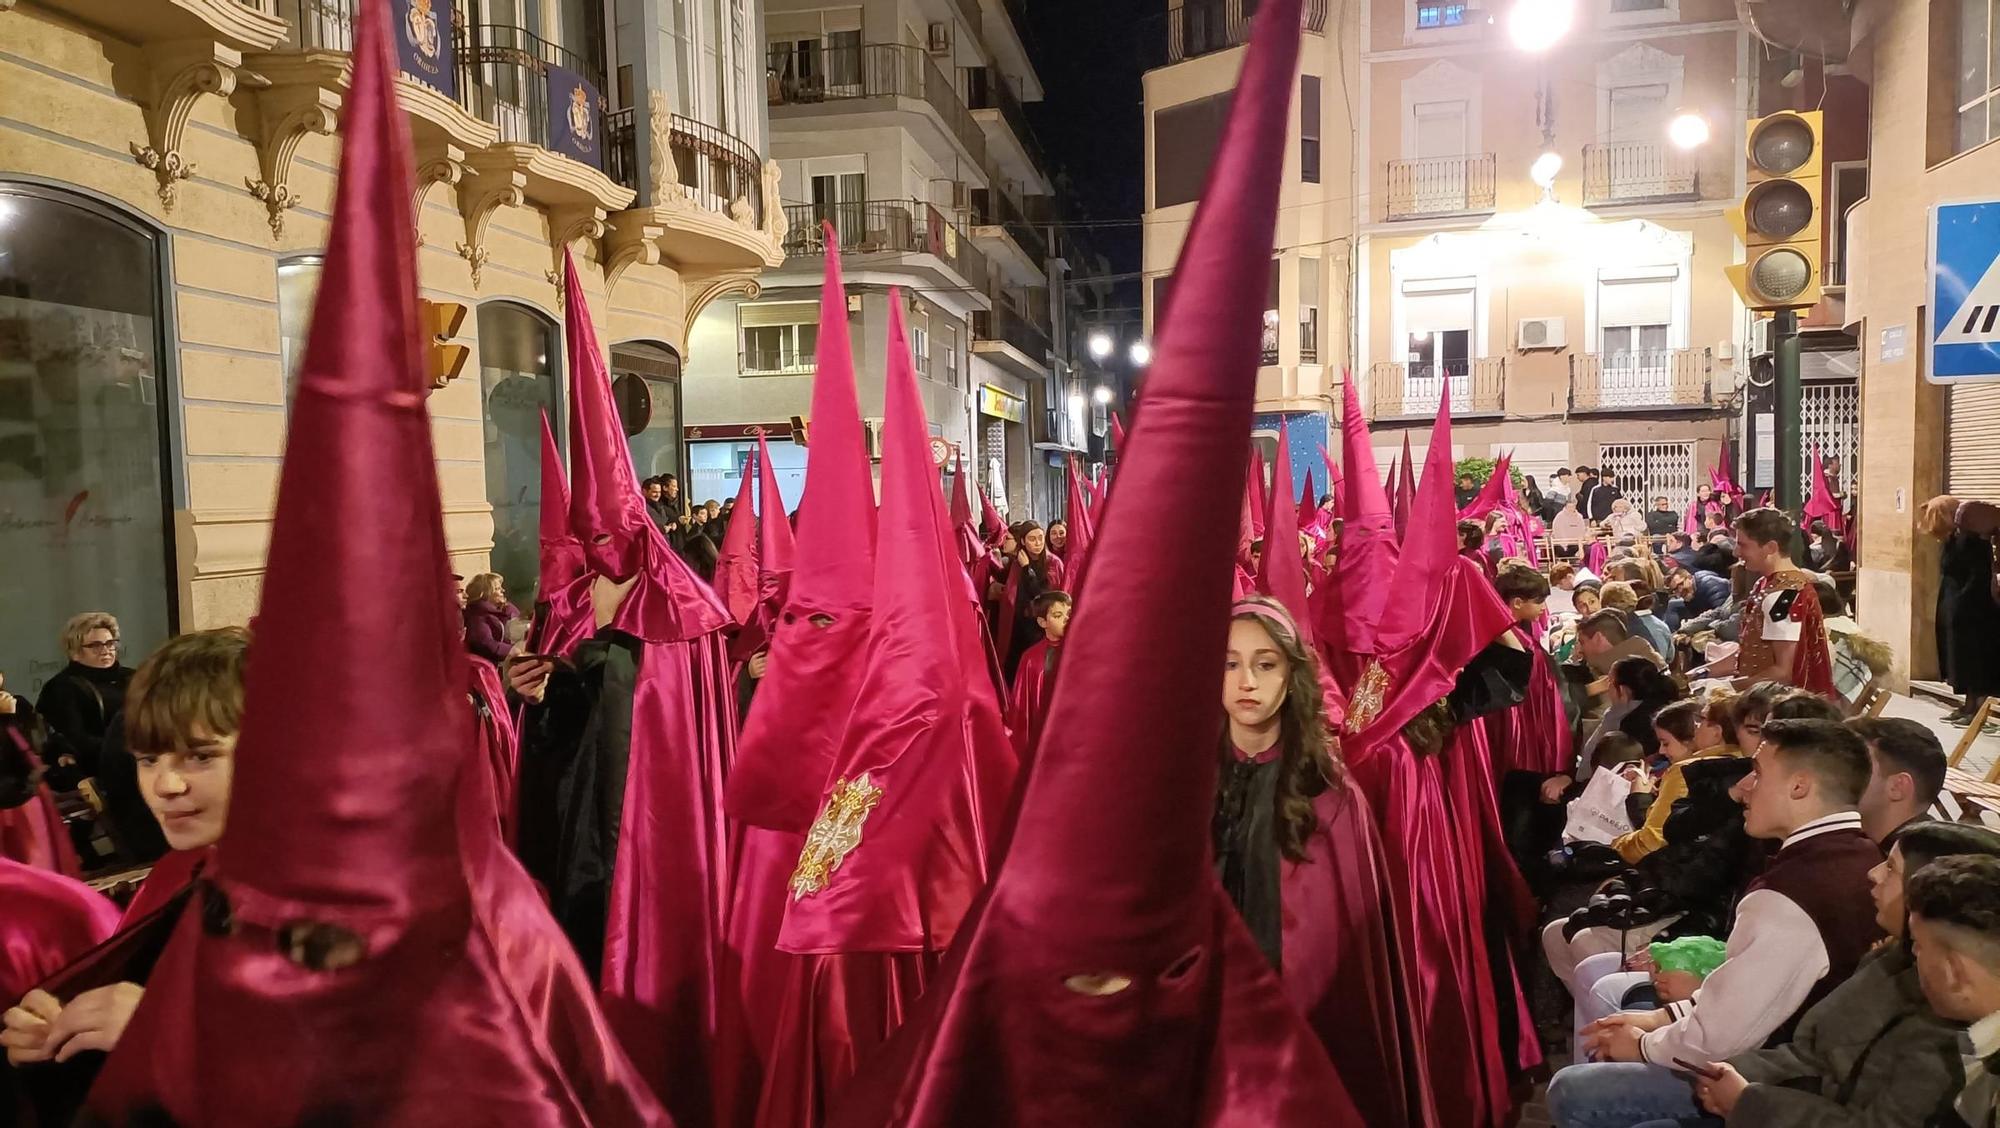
x=519, y=380
x=646, y=383
x=83, y=490
x=717, y=469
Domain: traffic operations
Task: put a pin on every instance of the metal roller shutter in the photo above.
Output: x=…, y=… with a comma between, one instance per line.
x=1972, y=445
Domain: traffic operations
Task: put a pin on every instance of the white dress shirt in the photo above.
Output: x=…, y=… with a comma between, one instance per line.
x=1775, y=957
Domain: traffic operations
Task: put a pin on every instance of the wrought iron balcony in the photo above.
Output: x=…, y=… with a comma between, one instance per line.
x=885, y=227
x=1004, y=325
x=503, y=78
x=1410, y=391
x=994, y=208
x=777, y=362
x=992, y=93
x=1637, y=172
x=1640, y=380
x=1440, y=186
x=1203, y=27
x=871, y=70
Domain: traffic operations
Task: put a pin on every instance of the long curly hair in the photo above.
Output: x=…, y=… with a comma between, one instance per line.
x=1307, y=765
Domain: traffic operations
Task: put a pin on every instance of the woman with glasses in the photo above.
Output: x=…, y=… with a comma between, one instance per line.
x=79, y=702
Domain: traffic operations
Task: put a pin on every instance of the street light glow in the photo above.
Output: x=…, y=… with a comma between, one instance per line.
x=1076, y=403
x=1537, y=25
x=1100, y=344
x=1141, y=354
x=1103, y=395
x=1688, y=129
x=1543, y=171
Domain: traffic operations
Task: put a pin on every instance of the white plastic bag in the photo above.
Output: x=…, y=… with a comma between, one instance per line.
x=1598, y=815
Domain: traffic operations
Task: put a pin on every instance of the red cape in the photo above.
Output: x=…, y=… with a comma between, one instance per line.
x=50, y=920
x=1028, y=703
x=1533, y=736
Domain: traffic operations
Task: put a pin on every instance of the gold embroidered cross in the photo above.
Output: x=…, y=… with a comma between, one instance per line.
x=834, y=834
x=1370, y=696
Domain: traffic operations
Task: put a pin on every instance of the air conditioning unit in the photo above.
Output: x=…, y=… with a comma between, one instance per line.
x=940, y=39
x=1541, y=333
x=873, y=427
x=1760, y=338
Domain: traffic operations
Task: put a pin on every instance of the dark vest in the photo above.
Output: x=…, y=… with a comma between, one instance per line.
x=1827, y=876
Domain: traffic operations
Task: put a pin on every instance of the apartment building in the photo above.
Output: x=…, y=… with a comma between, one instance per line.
x=166, y=173
x=898, y=129
x=1517, y=228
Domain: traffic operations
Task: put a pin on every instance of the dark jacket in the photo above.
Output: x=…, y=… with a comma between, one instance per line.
x=486, y=629
x=77, y=705
x=1601, y=498
x=1968, y=618
x=1699, y=872
x=1661, y=522
x=1710, y=592
x=1871, y=1053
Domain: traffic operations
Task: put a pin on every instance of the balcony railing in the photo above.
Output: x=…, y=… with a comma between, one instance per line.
x=885, y=227
x=1202, y=27
x=871, y=70
x=503, y=78
x=1632, y=172
x=1438, y=186
x=715, y=168
x=1645, y=378
x=1398, y=391
x=991, y=208
x=1003, y=324
x=993, y=94
x=319, y=25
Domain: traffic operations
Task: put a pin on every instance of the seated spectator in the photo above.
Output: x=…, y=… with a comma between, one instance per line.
x=1681, y=550
x=1800, y=931
x=1588, y=598
x=1798, y=705
x=487, y=614
x=1873, y=1051
x=1562, y=581
x=1695, y=593
x=1827, y=552
x=1954, y=907
x=1859, y=662
x=1622, y=595
x=1686, y=731
x=1905, y=775
x=1625, y=521
x=1661, y=519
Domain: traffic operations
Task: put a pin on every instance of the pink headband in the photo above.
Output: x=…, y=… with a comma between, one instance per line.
x=1266, y=608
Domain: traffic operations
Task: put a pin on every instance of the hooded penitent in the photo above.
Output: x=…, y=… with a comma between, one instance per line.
x=1404, y=489
x=791, y=736
x=652, y=707
x=736, y=559
x=1105, y=979
x=1308, y=512
x=1281, y=573
x=1255, y=486
x=1397, y=625
x=1821, y=506
x=1082, y=529
x=561, y=556
x=355, y=953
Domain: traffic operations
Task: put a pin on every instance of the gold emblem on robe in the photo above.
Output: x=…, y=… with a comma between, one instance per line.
x=834, y=834
x=1371, y=694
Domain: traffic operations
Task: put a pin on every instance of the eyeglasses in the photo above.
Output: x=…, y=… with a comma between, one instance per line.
x=107, y=644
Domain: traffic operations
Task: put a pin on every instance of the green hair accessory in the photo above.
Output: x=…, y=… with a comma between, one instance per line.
x=1698, y=954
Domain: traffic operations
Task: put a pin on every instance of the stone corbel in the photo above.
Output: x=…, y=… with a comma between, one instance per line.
x=481, y=192
x=447, y=168
x=288, y=114
x=776, y=225
x=630, y=243
x=178, y=74
x=567, y=224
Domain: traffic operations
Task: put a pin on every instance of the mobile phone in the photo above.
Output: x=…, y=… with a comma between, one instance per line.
x=1708, y=1072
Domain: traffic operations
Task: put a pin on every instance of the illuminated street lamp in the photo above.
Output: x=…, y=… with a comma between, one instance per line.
x=1103, y=395
x=1537, y=25
x=1543, y=171
x=1141, y=354
x=1076, y=403
x=1100, y=344
x=1688, y=130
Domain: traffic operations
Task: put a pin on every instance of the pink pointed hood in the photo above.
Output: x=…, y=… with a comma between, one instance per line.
x=1821, y=505
x=1082, y=529
x=736, y=561
x=1722, y=476
x=1496, y=493
x=1431, y=547
x=814, y=672
x=1254, y=499
x=1404, y=479
x=776, y=546
x=336, y=938
x=1308, y=504
x=1106, y=979
x=1117, y=435
x=965, y=534
x=902, y=778
x=1367, y=539
x=991, y=524
x=562, y=555
x=607, y=512
x=1281, y=574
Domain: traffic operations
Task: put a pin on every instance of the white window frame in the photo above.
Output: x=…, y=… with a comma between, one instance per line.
x=1991, y=98
x=1680, y=270
x=1443, y=81
x=1841, y=240
x=1641, y=64
x=1452, y=33
x=794, y=358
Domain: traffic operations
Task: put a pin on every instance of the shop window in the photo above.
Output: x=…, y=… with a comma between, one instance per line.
x=519, y=382
x=1978, y=71
x=779, y=338
x=83, y=422
x=298, y=286
x=646, y=382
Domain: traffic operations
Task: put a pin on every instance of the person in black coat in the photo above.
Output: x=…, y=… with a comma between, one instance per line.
x=1968, y=621
x=77, y=704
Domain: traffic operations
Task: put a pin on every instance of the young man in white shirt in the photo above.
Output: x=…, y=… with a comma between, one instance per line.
x=1954, y=906
x=1799, y=932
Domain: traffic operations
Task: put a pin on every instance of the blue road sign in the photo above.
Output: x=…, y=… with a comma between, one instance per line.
x=1965, y=292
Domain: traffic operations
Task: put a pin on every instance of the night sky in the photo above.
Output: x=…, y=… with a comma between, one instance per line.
x=1090, y=54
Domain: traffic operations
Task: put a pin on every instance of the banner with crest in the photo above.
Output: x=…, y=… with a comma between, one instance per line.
x=576, y=123
x=423, y=42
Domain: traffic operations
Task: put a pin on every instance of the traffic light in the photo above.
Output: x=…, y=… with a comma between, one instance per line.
x=442, y=359
x=1779, y=221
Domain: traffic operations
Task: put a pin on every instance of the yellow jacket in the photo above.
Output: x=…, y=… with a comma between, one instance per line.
x=1672, y=787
